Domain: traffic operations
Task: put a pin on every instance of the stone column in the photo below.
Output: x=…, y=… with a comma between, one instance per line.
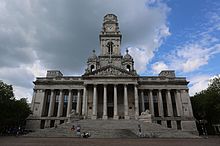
x=78, y=102
x=187, y=103
x=105, y=103
x=60, y=105
x=69, y=105
x=33, y=99
x=84, y=112
x=178, y=104
x=115, y=103
x=142, y=101
x=160, y=103
x=136, y=102
x=151, y=102
x=190, y=105
x=94, y=105
x=43, y=96
x=126, y=116
x=52, y=103
x=169, y=104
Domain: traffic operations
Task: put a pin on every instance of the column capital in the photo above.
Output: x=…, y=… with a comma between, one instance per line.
x=135, y=85
x=178, y=90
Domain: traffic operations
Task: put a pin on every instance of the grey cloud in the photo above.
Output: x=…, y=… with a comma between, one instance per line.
x=17, y=76
x=62, y=34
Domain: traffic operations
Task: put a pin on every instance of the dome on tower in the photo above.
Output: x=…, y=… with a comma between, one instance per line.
x=127, y=56
x=110, y=18
x=93, y=57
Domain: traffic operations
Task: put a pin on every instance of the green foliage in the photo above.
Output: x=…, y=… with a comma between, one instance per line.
x=6, y=92
x=215, y=85
x=206, y=104
x=12, y=112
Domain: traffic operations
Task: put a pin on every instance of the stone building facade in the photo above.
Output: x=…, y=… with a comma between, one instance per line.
x=110, y=88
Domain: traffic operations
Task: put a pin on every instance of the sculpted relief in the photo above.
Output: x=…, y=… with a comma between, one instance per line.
x=111, y=72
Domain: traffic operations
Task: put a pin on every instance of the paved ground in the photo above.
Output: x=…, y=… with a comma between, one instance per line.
x=22, y=141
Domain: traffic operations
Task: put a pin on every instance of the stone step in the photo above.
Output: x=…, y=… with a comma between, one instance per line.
x=112, y=129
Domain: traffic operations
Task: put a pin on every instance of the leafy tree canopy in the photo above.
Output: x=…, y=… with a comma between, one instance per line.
x=13, y=113
x=206, y=104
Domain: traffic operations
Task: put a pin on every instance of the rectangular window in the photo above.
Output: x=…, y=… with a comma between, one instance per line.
x=169, y=124
x=74, y=98
x=65, y=98
x=52, y=122
x=155, y=99
x=61, y=121
x=159, y=122
x=57, y=98
x=42, y=123
x=178, y=123
x=48, y=98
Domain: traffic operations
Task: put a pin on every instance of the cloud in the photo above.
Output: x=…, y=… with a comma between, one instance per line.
x=191, y=57
x=157, y=67
x=21, y=92
x=39, y=35
x=198, y=83
x=21, y=78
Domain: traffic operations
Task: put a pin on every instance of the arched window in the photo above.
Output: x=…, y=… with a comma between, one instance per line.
x=128, y=68
x=92, y=68
x=110, y=47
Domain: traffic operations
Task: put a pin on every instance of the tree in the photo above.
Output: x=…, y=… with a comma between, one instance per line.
x=12, y=112
x=206, y=104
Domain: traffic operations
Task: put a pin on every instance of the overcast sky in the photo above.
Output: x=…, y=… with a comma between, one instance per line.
x=39, y=35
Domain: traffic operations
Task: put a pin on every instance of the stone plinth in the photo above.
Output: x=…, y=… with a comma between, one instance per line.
x=146, y=117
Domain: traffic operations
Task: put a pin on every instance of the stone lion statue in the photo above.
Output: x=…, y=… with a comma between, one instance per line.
x=147, y=112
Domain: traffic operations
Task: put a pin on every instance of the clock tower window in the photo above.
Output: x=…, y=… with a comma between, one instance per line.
x=92, y=68
x=128, y=68
x=110, y=47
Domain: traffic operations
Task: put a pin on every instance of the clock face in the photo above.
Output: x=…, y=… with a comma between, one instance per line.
x=110, y=28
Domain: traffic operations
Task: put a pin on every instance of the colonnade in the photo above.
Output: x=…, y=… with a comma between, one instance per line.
x=52, y=100
x=168, y=101
x=138, y=95
x=105, y=96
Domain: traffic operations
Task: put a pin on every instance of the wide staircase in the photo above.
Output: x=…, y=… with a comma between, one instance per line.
x=112, y=129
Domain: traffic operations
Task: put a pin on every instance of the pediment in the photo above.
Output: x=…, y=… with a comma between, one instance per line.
x=111, y=71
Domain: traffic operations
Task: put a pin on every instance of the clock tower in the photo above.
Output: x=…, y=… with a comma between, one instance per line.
x=110, y=37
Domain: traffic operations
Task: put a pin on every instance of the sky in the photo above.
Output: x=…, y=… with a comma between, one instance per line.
x=40, y=35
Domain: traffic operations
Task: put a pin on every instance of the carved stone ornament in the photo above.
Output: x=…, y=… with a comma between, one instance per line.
x=110, y=71
x=146, y=116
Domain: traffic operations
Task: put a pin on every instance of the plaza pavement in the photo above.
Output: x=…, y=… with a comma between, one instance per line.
x=24, y=141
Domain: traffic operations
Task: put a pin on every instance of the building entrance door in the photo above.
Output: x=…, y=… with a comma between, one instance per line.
x=110, y=101
x=110, y=112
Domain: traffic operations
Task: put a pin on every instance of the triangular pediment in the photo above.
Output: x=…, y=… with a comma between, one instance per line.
x=111, y=71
